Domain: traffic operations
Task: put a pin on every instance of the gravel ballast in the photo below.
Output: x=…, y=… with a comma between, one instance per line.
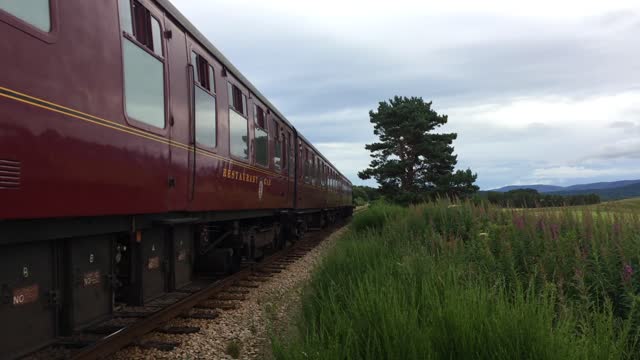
x=243, y=332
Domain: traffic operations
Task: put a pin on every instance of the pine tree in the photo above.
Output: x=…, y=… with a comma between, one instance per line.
x=412, y=162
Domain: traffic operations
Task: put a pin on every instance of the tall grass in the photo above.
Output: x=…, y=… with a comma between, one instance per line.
x=458, y=281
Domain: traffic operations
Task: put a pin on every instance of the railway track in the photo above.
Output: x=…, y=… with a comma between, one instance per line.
x=130, y=324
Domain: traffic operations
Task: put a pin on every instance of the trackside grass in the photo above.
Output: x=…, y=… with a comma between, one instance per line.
x=443, y=281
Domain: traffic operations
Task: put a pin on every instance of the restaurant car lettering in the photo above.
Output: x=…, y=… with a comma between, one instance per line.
x=244, y=177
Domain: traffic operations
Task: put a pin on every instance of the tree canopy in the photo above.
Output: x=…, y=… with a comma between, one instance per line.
x=412, y=162
x=531, y=198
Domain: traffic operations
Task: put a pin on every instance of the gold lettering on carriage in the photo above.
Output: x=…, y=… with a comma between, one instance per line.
x=243, y=177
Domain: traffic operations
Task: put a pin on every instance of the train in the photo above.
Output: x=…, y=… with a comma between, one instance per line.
x=133, y=156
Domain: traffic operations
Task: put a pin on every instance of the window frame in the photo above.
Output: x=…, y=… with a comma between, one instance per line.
x=291, y=151
x=258, y=106
x=278, y=128
x=211, y=65
x=125, y=36
x=230, y=107
x=254, y=125
x=49, y=37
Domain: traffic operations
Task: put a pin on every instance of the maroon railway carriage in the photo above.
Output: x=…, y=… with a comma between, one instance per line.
x=133, y=154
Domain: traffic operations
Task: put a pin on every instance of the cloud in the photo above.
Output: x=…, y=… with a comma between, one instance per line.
x=531, y=88
x=626, y=148
x=347, y=157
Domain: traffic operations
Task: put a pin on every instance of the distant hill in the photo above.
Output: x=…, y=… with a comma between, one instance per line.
x=538, y=187
x=612, y=190
x=617, y=193
x=601, y=185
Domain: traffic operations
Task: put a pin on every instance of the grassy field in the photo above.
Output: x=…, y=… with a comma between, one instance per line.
x=442, y=281
x=627, y=205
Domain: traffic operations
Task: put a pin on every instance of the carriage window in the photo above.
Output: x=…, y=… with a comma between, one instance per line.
x=277, y=147
x=205, y=101
x=205, y=118
x=238, y=135
x=157, y=37
x=237, y=100
x=258, y=116
x=144, y=85
x=126, y=22
x=307, y=168
x=204, y=74
x=34, y=12
x=282, y=148
x=262, y=147
x=291, y=152
x=314, y=174
x=261, y=137
x=238, y=126
x=141, y=24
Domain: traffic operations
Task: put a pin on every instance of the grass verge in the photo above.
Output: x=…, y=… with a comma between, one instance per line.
x=443, y=281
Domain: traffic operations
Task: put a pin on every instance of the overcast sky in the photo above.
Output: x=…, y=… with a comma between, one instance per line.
x=544, y=91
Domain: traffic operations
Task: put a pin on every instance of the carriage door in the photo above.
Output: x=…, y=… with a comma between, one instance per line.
x=290, y=149
x=181, y=173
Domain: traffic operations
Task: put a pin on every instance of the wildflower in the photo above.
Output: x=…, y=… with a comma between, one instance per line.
x=555, y=231
x=518, y=221
x=627, y=272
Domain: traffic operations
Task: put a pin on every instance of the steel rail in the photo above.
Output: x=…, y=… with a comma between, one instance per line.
x=124, y=337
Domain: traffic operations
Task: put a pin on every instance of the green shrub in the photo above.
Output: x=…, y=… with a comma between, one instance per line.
x=376, y=216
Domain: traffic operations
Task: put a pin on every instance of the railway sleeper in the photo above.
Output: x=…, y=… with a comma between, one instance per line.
x=200, y=315
x=234, y=290
x=266, y=273
x=247, y=284
x=223, y=296
x=178, y=330
x=217, y=305
x=52, y=289
x=158, y=345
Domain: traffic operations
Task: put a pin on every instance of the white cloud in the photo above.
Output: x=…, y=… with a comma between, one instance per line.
x=533, y=89
x=347, y=157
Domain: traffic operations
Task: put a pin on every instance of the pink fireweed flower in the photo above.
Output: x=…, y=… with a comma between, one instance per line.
x=518, y=221
x=627, y=273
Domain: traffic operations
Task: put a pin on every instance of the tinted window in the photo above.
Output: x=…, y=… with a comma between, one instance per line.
x=204, y=72
x=35, y=12
x=262, y=147
x=205, y=118
x=258, y=116
x=238, y=135
x=290, y=152
x=237, y=100
x=144, y=85
x=212, y=80
x=194, y=62
x=124, y=6
x=157, y=37
x=277, y=156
